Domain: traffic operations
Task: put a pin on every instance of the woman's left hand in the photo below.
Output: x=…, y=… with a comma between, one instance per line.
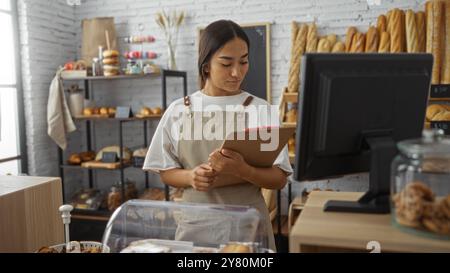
x=227, y=162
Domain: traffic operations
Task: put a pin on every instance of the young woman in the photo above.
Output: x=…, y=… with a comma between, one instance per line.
x=196, y=164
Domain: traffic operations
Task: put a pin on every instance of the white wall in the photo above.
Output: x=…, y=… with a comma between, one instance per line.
x=60, y=24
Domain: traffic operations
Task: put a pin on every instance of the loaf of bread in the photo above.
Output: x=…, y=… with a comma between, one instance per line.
x=74, y=159
x=324, y=46
x=421, y=31
x=332, y=38
x=372, y=40
x=358, y=43
x=412, y=45
x=445, y=78
x=299, y=49
x=114, y=149
x=351, y=31
x=434, y=14
x=381, y=24
x=438, y=112
x=294, y=32
x=312, y=39
x=396, y=31
x=339, y=47
x=385, y=43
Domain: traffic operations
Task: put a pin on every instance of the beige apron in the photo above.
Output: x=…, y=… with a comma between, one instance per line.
x=192, y=153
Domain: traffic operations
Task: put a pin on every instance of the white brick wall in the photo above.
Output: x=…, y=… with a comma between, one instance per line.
x=50, y=30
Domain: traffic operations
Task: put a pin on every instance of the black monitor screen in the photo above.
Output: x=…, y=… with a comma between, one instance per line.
x=347, y=97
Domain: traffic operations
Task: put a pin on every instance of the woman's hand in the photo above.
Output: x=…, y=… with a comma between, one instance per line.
x=202, y=177
x=227, y=162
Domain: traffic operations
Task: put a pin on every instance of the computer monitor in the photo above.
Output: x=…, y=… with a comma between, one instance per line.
x=353, y=108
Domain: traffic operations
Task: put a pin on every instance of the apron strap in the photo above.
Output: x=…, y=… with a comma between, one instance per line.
x=247, y=101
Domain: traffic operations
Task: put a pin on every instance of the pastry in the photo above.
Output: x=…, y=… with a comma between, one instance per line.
x=235, y=248
x=421, y=31
x=156, y=111
x=111, y=61
x=103, y=111
x=412, y=43
x=372, y=40
x=385, y=43
x=88, y=111
x=110, y=53
x=351, y=31
x=74, y=159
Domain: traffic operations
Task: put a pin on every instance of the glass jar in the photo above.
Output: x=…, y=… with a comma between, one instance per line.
x=420, y=185
x=114, y=198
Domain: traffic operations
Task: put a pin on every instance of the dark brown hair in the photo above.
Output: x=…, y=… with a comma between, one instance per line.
x=214, y=37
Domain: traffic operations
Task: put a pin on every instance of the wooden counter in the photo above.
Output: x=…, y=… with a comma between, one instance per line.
x=319, y=231
x=29, y=216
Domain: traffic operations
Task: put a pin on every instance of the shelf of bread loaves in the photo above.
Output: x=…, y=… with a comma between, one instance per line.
x=438, y=116
x=108, y=113
x=93, y=160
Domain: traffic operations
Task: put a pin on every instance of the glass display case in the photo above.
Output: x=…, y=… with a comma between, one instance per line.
x=420, y=185
x=145, y=226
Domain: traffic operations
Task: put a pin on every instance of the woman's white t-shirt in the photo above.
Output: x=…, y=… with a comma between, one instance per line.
x=163, y=151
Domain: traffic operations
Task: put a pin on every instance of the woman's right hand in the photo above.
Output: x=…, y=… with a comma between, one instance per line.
x=202, y=177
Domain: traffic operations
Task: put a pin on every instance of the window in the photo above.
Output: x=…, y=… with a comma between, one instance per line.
x=12, y=153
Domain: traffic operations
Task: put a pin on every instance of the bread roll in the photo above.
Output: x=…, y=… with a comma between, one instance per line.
x=372, y=40
x=434, y=16
x=74, y=159
x=421, y=31
x=156, y=111
x=358, y=43
x=312, y=39
x=442, y=116
x=339, y=47
x=396, y=31
x=332, y=38
x=381, y=24
x=412, y=45
x=323, y=46
x=88, y=111
x=104, y=111
x=445, y=75
x=433, y=110
x=351, y=31
x=385, y=43
x=299, y=49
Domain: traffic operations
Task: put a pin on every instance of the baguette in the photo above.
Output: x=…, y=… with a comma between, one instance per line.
x=434, y=16
x=412, y=45
x=372, y=40
x=385, y=43
x=402, y=31
x=396, y=31
x=389, y=21
x=311, y=40
x=339, y=47
x=445, y=75
x=294, y=32
x=332, y=38
x=323, y=46
x=299, y=49
x=351, y=31
x=381, y=24
x=421, y=31
x=358, y=43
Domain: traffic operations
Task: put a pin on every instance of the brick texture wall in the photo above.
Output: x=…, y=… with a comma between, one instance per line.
x=51, y=34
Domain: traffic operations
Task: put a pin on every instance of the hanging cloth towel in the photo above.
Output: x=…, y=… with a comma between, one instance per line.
x=59, y=120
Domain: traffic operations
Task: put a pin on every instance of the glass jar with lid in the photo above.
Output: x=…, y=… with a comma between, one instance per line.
x=420, y=185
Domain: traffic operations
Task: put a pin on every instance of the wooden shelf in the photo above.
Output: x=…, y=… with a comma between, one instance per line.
x=290, y=97
x=96, y=78
x=116, y=119
x=439, y=99
x=94, y=215
x=68, y=166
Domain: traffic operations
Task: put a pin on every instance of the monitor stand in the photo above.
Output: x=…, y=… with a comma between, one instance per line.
x=376, y=200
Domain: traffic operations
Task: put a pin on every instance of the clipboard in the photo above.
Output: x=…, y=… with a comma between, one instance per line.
x=253, y=143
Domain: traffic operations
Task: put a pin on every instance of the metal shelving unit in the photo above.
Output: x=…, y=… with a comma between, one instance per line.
x=89, y=120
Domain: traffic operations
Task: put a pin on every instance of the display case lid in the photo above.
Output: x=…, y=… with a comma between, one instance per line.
x=161, y=226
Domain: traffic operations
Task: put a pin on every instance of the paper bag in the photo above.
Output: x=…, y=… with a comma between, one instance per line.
x=94, y=36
